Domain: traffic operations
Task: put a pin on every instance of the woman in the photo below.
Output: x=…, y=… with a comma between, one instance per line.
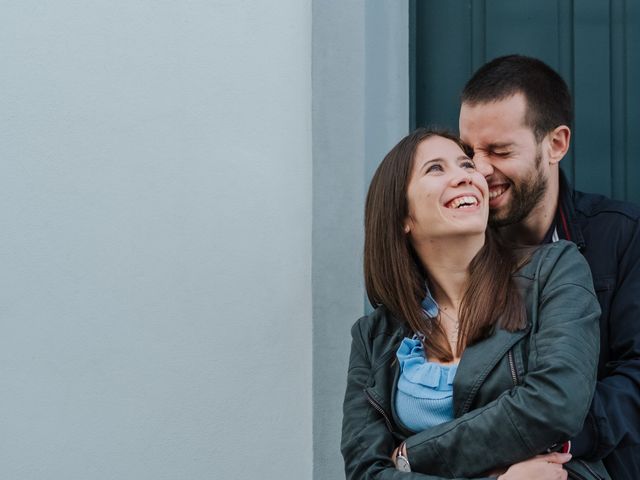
x=513, y=332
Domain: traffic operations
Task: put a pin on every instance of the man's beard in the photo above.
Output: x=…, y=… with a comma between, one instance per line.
x=524, y=197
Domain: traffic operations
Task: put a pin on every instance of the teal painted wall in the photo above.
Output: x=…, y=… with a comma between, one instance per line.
x=594, y=44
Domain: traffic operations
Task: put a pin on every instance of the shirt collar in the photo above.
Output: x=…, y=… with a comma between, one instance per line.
x=566, y=219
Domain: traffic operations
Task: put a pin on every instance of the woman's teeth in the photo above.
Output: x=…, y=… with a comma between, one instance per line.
x=462, y=202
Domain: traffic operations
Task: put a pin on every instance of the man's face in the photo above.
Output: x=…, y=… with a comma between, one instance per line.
x=506, y=152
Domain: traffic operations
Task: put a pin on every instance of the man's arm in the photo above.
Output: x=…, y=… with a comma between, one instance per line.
x=614, y=417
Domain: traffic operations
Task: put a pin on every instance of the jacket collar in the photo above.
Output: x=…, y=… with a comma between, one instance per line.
x=477, y=362
x=566, y=217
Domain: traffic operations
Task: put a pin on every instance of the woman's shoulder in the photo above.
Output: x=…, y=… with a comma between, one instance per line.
x=378, y=322
x=555, y=264
x=380, y=319
x=539, y=260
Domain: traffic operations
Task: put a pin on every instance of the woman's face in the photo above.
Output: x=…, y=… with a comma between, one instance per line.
x=446, y=196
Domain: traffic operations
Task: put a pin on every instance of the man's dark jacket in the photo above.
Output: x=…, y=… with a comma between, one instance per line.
x=607, y=232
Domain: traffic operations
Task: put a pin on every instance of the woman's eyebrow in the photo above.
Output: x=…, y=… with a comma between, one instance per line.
x=440, y=160
x=433, y=160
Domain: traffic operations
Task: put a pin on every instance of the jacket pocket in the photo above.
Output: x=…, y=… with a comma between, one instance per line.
x=517, y=361
x=604, y=287
x=513, y=369
x=604, y=283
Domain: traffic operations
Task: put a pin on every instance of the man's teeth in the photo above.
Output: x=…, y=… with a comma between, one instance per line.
x=463, y=202
x=496, y=192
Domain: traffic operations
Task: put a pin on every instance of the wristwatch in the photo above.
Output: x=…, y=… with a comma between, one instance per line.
x=402, y=462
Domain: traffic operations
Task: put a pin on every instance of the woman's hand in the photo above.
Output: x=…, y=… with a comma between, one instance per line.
x=542, y=467
x=397, y=450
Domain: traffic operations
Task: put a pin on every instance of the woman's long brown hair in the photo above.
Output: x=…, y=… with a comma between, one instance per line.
x=395, y=278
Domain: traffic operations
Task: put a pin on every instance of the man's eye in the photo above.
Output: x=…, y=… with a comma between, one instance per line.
x=434, y=168
x=502, y=154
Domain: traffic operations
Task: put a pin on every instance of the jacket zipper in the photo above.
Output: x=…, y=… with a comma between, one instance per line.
x=586, y=465
x=512, y=366
x=514, y=376
x=379, y=409
x=574, y=474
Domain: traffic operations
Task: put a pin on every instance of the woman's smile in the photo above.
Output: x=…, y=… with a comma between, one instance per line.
x=446, y=195
x=464, y=201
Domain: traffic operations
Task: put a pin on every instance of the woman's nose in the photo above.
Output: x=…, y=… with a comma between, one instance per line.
x=463, y=178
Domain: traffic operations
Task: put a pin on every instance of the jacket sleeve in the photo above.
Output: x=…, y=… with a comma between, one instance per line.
x=367, y=442
x=551, y=403
x=614, y=417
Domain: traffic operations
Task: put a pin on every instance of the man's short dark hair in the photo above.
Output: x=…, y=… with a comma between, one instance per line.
x=548, y=98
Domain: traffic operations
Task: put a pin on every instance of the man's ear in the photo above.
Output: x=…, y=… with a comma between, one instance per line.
x=559, y=140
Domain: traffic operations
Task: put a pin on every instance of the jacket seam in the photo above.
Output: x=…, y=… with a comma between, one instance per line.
x=632, y=217
x=515, y=427
x=544, y=297
x=462, y=422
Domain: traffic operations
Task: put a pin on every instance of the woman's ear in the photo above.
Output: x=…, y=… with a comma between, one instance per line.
x=407, y=227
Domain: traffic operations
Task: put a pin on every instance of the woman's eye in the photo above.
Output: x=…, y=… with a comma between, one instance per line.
x=469, y=164
x=434, y=168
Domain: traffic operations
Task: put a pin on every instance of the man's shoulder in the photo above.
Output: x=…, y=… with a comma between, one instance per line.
x=593, y=205
x=610, y=230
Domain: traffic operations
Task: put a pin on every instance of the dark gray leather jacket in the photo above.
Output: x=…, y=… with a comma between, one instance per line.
x=516, y=394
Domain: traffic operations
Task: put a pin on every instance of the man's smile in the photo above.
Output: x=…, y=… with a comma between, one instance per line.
x=496, y=192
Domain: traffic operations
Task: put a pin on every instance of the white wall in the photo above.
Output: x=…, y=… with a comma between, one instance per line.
x=155, y=239
x=360, y=110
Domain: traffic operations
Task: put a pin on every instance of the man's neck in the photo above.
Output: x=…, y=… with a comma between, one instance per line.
x=533, y=229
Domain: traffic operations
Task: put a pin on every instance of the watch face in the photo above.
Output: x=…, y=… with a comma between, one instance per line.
x=402, y=464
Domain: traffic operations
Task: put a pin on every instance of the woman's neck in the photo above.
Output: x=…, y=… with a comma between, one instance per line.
x=447, y=262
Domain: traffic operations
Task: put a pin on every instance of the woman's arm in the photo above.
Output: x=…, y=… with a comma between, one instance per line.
x=367, y=442
x=553, y=400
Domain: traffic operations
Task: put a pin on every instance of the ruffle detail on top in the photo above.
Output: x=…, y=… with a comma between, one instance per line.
x=420, y=378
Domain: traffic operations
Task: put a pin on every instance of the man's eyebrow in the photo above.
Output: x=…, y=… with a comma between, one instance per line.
x=493, y=146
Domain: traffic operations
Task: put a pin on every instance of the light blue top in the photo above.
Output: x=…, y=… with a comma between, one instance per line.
x=425, y=389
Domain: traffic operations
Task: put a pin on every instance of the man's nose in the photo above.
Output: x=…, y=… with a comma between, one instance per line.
x=483, y=165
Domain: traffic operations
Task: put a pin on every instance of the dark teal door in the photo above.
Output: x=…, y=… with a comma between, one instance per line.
x=594, y=44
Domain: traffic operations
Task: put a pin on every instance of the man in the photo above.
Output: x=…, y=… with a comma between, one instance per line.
x=516, y=114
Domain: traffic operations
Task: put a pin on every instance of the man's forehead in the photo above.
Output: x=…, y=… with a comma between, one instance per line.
x=488, y=138
x=497, y=137
x=493, y=125
x=511, y=110
x=517, y=100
